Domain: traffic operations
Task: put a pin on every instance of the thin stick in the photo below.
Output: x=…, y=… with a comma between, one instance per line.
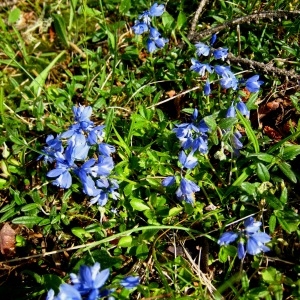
x=262, y=15
x=196, y=18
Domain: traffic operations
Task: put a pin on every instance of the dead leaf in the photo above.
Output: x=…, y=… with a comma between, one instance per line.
x=7, y=239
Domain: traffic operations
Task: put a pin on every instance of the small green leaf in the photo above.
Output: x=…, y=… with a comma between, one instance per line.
x=227, y=122
x=268, y=158
x=272, y=223
x=269, y=275
x=139, y=204
x=249, y=188
x=142, y=251
x=285, y=226
x=210, y=122
x=125, y=242
x=81, y=233
x=174, y=211
x=28, y=221
x=181, y=20
x=249, y=131
x=262, y=172
x=29, y=207
x=14, y=15
x=284, y=196
x=273, y=201
x=168, y=21
x=286, y=170
x=60, y=29
x=125, y=6
x=290, y=152
x=245, y=281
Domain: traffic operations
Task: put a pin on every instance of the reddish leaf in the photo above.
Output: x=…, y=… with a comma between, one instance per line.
x=7, y=239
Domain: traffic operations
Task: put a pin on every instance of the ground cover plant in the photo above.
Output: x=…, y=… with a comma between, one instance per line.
x=149, y=150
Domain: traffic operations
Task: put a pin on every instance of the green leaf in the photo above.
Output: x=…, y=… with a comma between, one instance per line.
x=38, y=83
x=210, y=122
x=139, y=204
x=125, y=241
x=125, y=6
x=142, y=251
x=286, y=170
x=249, y=131
x=28, y=221
x=181, y=20
x=284, y=196
x=29, y=207
x=272, y=223
x=268, y=158
x=245, y=281
x=174, y=211
x=60, y=29
x=249, y=188
x=227, y=123
x=81, y=233
x=273, y=201
x=262, y=172
x=290, y=152
x=14, y=15
x=285, y=226
x=226, y=251
x=168, y=21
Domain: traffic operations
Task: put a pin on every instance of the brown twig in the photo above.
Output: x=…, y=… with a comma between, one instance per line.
x=266, y=68
x=254, y=17
x=196, y=18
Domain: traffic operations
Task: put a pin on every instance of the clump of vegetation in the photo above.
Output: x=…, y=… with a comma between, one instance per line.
x=149, y=150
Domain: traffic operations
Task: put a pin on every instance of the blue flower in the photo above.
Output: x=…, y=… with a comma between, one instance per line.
x=235, y=140
x=82, y=113
x=156, y=10
x=106, y=187
x=155, y=40
x=90, y=280
x=200, y=68
x=103, y=167
x=170, y=180
x=78, y=147
x=231, y=112
x=106, y=149
x=253, y=84
x=207, y=89
x=202, y=49
x=64, y=163
x=53, y=145
x=66, y=292
x=220, y=70
x=187, y=161
x=255, y=240
x=220, y=53
x=241, y=106
x=213, y=39
x=96, y=135
x=130, y=282
x=140, y=27
x=200, y=143
x=241, y=249
x=186, y=190
x=227, y=238
x=228, y=80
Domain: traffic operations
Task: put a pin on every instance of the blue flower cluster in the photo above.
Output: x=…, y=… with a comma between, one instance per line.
x=254, y=239
x=227, y=77
x=193, y=138
x=69, y=151
x=89, y=285
x=143, y=24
